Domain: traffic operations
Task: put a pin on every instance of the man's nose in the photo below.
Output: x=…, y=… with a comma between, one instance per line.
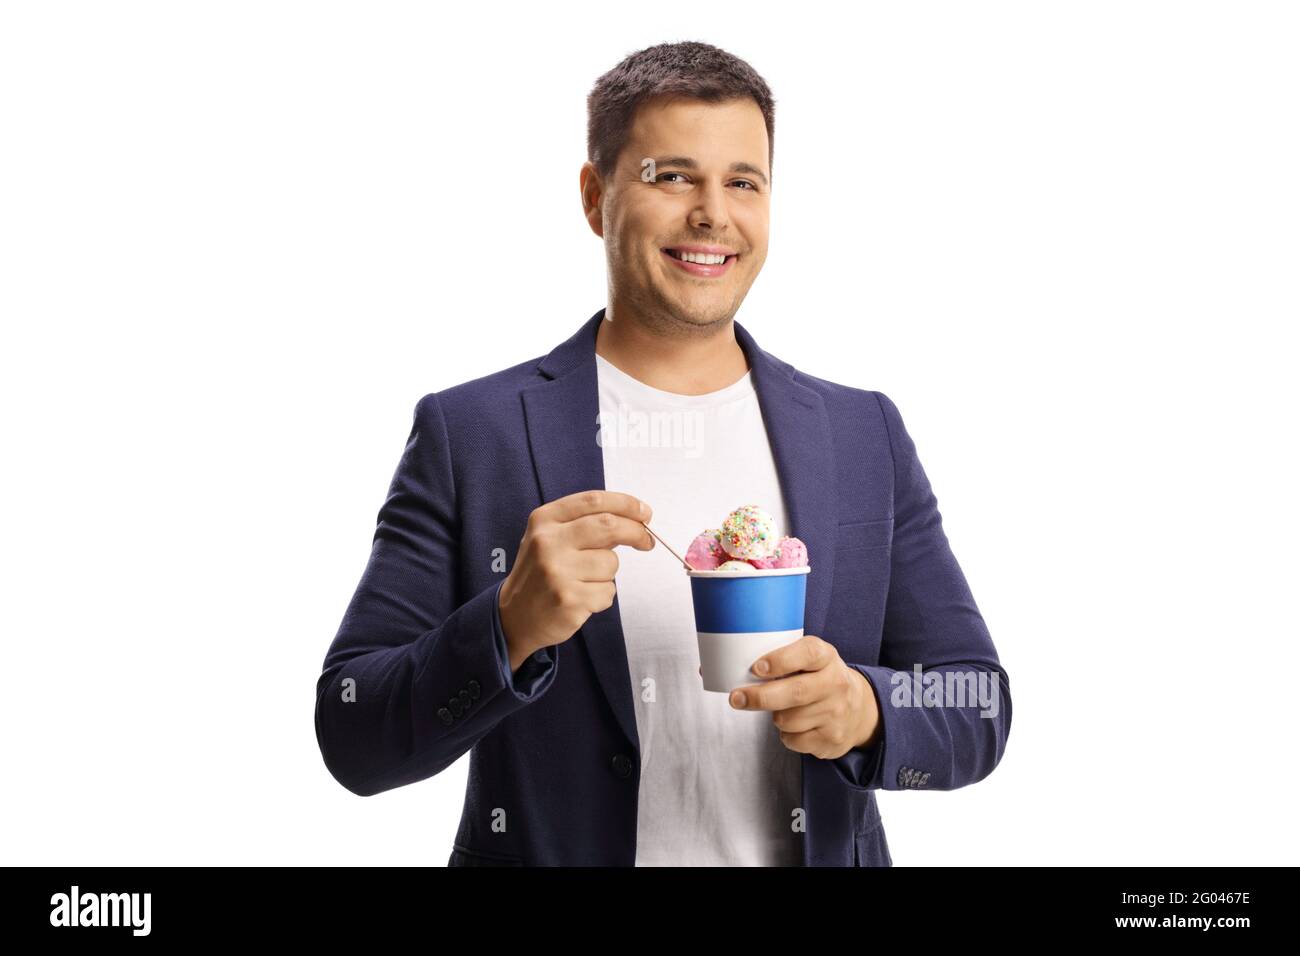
x=711, y=211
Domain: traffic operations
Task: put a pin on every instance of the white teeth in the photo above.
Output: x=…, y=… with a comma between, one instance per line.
x=700, y=258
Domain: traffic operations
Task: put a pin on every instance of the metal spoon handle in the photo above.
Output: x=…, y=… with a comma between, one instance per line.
x=666, y=545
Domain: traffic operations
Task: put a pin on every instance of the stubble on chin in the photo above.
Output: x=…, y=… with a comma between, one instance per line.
x=675, y=324
x=662, y=317
x=669, y=320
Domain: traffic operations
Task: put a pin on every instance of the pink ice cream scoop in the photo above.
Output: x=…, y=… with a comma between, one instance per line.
x=706, y=552
x=789, y=553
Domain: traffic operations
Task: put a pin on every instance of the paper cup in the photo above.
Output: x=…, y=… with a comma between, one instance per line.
x=740, y=616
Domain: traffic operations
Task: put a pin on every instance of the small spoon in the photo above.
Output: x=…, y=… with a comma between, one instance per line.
x=666, y=545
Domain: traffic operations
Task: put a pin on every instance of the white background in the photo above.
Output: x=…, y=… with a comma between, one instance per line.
x=239, y=241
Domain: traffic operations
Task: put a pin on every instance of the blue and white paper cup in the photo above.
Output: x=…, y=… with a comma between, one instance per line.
x=740, y=616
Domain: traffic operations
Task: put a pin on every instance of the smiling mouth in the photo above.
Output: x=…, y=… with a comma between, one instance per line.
x=700, y=258
x=701, y=265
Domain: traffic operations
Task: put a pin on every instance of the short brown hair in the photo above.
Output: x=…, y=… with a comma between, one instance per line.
x=689, y=69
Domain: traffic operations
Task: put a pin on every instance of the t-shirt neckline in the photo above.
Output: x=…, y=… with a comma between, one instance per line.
x=740, y=388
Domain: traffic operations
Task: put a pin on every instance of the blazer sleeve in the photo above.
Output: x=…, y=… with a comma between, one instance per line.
x=412, y=680
x=931, y=619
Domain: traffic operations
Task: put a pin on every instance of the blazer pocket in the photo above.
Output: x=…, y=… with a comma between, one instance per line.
x=871, y=848
x=865, y=534
x=462, y=856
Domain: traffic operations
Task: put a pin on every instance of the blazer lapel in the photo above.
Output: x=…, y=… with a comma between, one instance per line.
x=560, y=415
x=799, y=431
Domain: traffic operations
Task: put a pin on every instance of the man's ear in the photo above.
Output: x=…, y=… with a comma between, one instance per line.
x=592, y=191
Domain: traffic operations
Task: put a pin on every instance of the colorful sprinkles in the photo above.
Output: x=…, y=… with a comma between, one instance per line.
x=747, y=539
x=749, y=532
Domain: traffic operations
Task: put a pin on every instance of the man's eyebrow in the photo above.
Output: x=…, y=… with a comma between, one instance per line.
x=685, y=162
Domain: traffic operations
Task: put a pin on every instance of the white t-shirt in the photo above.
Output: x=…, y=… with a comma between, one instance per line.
x=718, y=788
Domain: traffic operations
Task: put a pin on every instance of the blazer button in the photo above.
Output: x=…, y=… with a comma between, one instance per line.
x=473, y=689
x=445, y=715
x=455, y=707
x=622, y=764
x=463, y=697
x=911, y=777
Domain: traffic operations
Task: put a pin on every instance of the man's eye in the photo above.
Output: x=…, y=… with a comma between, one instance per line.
x=748, y=185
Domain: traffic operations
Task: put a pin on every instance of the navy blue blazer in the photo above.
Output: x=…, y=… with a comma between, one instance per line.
x=418, y=673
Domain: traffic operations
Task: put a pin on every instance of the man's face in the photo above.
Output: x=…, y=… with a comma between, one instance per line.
x=710, y=188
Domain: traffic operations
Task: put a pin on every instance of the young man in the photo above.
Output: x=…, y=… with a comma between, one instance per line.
x=487, y=619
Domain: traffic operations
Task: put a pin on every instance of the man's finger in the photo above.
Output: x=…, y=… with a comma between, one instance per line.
x=781, y=694
x=595, y=564
x=797, y=720
x=807, y=653
x=605, y=530
x=596, y=500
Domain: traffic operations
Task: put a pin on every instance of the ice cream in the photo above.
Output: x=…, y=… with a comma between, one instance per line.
x=789, y=553
x=792, y=553
x=747, y=539
x=749, y=589
x=734, y=565
x=705, y=552
x=749, y=532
